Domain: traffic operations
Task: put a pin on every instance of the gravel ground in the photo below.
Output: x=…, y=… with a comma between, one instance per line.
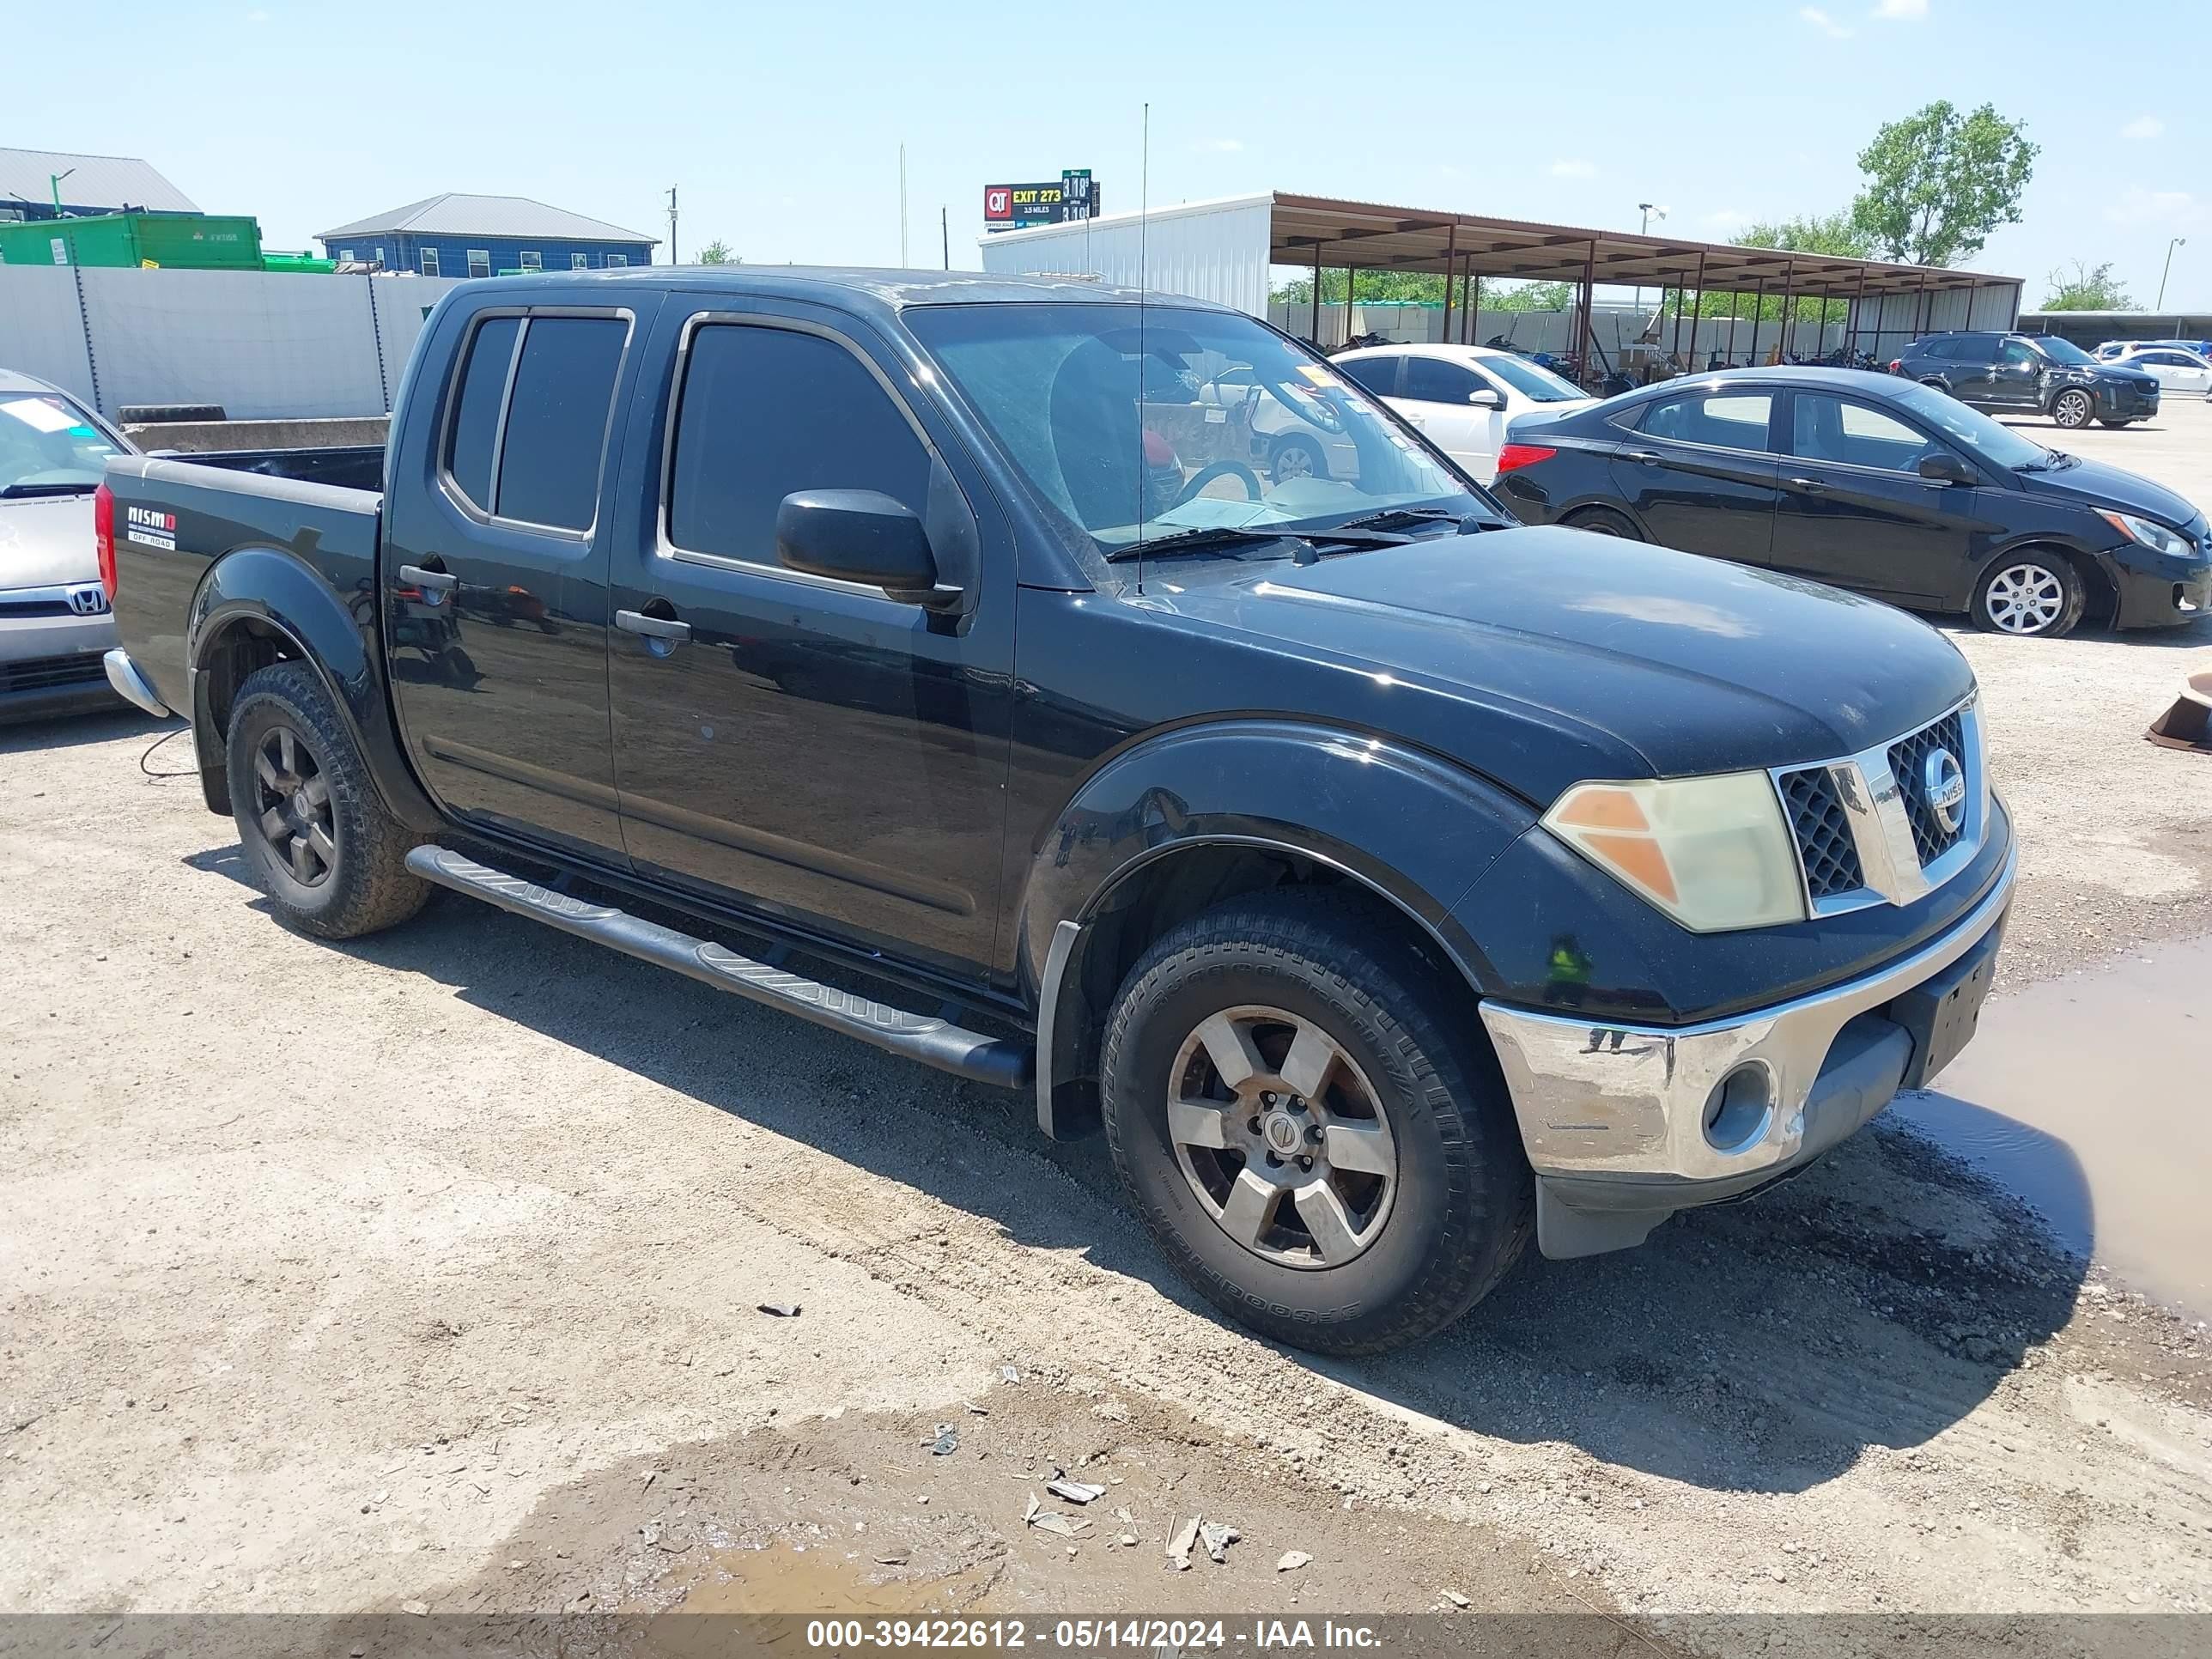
x=336, y=1279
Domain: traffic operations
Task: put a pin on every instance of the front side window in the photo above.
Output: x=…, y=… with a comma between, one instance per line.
x=48, y=447
x=429, y=262
x=2018, y=353
x=1827, y=428
x=1105, y=411
x=765, y=411
x=479, y=262
x=557, y=421
x=1724, y=420
x=1993, y=440
x=1433, y=380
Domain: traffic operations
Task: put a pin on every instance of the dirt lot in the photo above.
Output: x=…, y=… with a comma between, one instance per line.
x=428, y=1270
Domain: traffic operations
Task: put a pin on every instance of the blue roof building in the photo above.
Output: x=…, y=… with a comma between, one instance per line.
x=457, y=236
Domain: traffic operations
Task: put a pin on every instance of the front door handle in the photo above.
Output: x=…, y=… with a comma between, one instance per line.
x=429, y=580
x=653, y=628
x=1647, y=457
x=1811, y=486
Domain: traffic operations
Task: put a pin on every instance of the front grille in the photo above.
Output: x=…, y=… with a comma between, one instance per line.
x=1907, y=759
x=1830, y=857
x=15, y=605
x=44, y=673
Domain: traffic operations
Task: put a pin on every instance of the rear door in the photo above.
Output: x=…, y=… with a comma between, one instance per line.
x=495, y=577
x=1700, y=471
x=1854, y=509
x=808, y=747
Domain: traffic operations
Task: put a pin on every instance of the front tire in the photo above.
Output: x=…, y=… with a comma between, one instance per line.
x=1296, y=457
x=318, y=837
x=2072, y=409
x=2030, y=596
x=1383, y=1191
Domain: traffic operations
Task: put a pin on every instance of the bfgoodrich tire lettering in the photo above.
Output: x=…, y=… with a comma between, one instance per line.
x=1460, y=1208
x=296, y=777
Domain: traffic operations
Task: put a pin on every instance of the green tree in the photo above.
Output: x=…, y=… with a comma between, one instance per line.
x=1530, y=296
x=717, y=252
x=2089, y=289
x=1937, y=183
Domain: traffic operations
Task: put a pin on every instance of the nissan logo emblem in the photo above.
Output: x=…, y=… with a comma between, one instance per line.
x=1945, y=784
x=88, y=601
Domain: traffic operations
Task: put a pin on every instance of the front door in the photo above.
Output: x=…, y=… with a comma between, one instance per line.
x=2015, y=380
x=806, y=747
x=1855, y=510
x=495, y=579
x=1435, y=399
x=1699, y=471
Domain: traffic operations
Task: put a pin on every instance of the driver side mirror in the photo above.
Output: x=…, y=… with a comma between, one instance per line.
x=1947, y=469
x=1486, y=399
x=860, y=535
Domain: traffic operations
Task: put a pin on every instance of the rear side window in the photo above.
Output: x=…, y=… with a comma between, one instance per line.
x=1971, y=349
x=1725, y=420
x=765, y=411
x=475, y=432
x=557, y=421
x=1376, y=375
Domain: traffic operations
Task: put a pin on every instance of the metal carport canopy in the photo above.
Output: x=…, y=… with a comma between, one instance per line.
x=1369, y=236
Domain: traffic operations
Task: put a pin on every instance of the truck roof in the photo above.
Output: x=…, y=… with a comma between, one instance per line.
x=842, y=284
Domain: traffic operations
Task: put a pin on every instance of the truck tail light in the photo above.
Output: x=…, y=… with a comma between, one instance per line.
x=1511, y=456
x=103, y=538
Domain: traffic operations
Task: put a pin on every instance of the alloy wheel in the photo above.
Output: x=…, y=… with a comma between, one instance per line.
x=2025, y=599
x=1282, y=1139
x=2072, y=409
x=1293, y=461
x=294, y=799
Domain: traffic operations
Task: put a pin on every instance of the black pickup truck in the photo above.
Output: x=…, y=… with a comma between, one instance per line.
x=1384, y=878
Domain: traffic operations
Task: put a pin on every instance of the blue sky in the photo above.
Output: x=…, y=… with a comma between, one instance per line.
x=782, y=124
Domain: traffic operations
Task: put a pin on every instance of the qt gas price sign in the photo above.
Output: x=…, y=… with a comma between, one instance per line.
x=1071, y=197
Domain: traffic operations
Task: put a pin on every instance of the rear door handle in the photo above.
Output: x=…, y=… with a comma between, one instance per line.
x=653, y=628
x=430, y=581
x=1648, y=457
x=1811, y=486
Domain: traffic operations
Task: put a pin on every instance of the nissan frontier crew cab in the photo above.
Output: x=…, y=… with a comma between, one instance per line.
x=1385, y=879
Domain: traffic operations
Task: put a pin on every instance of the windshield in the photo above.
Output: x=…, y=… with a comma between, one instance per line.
x=2064, y=351
x=48, y=446
x=2000, y=444
x=1531, y=380
x=1139, y=428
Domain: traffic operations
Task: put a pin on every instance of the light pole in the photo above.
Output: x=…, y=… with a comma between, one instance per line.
x=1644, y=229
x=2179, y=241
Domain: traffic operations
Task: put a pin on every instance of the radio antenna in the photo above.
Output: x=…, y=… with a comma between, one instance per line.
x=1144, y=250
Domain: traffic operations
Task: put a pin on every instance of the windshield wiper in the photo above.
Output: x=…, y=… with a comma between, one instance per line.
x=1202, y=536
x=16, y=492
x=1393, y=517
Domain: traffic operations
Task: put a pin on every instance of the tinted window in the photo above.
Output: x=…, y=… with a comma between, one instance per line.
x=1729, y=420
x=765, y=411
x=2019, y=355
x=1376, y=375
x=2064, y=351
x=1825, y=428
x=557, y=421
x=1533, y=380
x=476, y=419
x=1433, y=380
x=1974, y=349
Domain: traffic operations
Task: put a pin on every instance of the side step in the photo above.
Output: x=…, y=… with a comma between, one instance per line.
x=924, y=1037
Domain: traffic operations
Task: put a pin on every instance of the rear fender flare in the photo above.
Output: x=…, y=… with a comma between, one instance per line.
x=276, y=591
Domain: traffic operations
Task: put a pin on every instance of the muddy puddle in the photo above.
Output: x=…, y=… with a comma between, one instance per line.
x=2091, y=1098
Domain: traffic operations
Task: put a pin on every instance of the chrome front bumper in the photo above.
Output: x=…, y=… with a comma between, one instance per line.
x=1625, y=1124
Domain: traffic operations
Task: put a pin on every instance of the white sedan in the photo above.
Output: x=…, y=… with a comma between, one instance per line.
x=1462, y=397
x=2175, y=368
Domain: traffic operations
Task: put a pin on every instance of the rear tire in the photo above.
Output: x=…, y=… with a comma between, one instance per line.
x=1408, y=1230
x=2030, y=595
x=2072, y=409
x=321, y=842
x=1603, y=521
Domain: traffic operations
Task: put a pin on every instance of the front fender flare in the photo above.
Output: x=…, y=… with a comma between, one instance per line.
x=273, y=587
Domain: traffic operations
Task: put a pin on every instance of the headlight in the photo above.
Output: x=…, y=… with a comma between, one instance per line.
x=1712, y=853
x=2155, y=537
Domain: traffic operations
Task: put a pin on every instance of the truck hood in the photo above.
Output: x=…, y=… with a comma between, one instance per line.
x=47, y=541
x=1554, y=655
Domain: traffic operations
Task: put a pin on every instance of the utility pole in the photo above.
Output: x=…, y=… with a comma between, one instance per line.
x=2179, y=241
x=902, y=261
x=1644, y=229
x=672, y=259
